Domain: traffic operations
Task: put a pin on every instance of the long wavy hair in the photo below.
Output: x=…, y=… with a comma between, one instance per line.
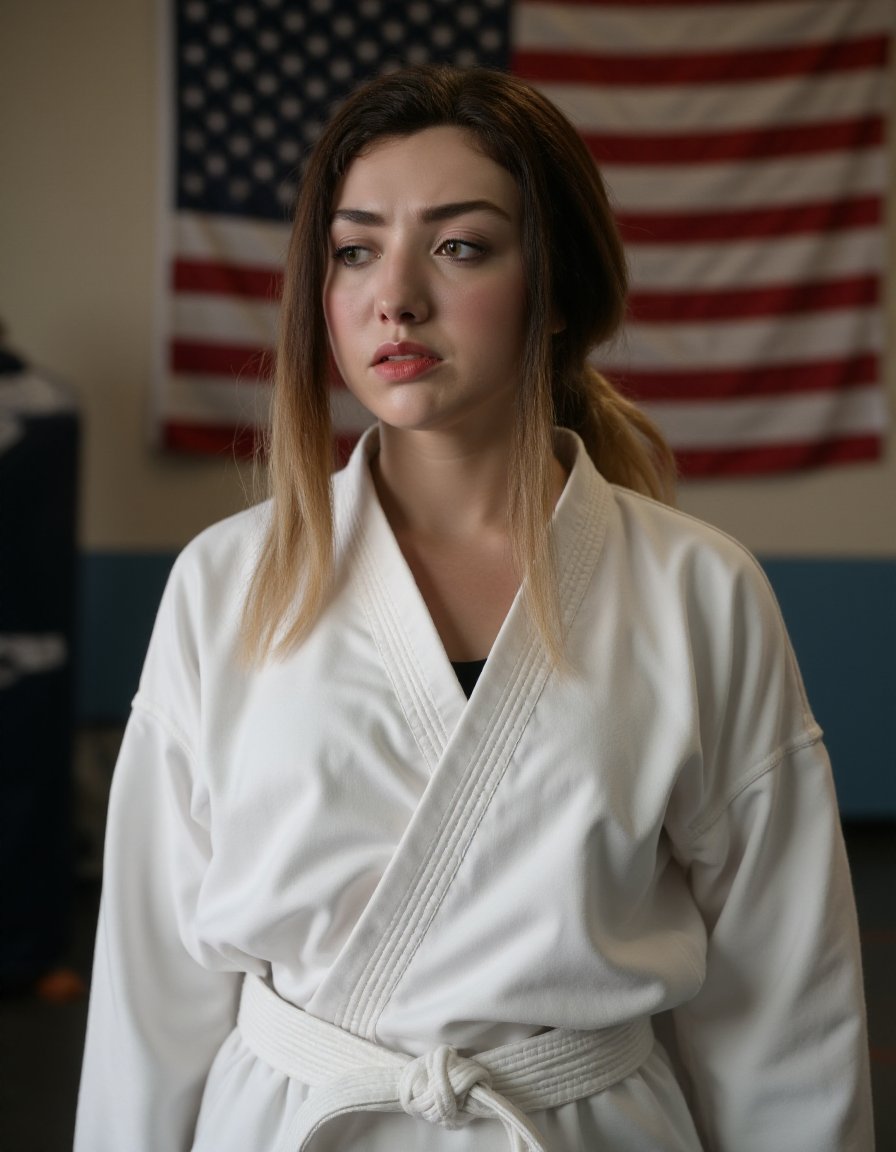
x=575, y=270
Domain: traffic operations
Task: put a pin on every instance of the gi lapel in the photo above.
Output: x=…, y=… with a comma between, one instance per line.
x=467, y=748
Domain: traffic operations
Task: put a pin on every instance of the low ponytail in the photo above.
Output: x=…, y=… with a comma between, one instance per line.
x=625, y=445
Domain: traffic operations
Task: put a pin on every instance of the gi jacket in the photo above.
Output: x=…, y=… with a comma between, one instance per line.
x=649, y=829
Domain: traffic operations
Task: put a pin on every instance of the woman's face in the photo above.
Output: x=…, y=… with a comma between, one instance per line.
x=425, y=295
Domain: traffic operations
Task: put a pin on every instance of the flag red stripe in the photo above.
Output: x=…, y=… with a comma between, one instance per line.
x=742, y=303
x=244, y=442
x=694, y=463
x=751, y=223
x=747, y=144
x=740, y=383
x=198, y=357
x=343, y=443
x=211, y=439
x=701, y=67
x=226, y=279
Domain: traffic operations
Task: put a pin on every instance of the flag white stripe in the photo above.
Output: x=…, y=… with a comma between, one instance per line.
x=254, y=243
x=220, y=319
x=711, y=187
x=219, y=400
x=641, y=30
x=216, y=400
x=750, y=263
x=727, y=344
x=799, y=418
x=716, y=107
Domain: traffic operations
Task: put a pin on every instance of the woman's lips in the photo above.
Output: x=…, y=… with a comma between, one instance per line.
x=403, y=361
x=406, y=368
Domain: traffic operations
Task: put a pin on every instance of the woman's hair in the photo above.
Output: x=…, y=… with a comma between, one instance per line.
x=576, y=277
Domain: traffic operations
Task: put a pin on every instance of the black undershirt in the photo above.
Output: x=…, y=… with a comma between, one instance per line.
x=467, y=672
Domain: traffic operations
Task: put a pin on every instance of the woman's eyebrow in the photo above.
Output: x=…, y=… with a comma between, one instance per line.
x=429, y=215
x=460, y=208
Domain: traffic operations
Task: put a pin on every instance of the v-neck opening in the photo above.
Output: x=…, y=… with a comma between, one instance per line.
x=431, y=694
x=468, y=673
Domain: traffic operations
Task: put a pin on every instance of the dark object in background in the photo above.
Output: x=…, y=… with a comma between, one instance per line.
x=39, y=434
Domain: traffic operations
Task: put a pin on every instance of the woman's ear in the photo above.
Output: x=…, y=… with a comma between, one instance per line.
x=558, y=322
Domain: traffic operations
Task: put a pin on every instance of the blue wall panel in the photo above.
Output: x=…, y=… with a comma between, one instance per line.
x=842, y=619
x=841, y=615
x=118, y=596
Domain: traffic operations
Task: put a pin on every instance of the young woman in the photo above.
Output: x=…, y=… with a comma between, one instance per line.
x=471, y=798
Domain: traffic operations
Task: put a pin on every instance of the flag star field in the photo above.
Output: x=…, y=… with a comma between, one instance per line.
x=256, y=82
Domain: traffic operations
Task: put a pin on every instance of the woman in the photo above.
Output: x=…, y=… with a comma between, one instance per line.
x=346, y=907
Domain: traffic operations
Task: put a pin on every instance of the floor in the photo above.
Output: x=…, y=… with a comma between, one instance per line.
x=40, y=1043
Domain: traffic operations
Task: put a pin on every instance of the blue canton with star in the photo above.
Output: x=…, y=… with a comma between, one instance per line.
x=257, y=80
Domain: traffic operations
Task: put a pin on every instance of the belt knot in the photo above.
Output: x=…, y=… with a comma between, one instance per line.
x=433, y=1087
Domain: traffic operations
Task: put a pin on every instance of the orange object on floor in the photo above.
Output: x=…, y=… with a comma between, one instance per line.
x=60, y=986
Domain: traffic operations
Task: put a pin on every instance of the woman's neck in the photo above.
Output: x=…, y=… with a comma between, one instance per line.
x=447, y=505
x=432, y=485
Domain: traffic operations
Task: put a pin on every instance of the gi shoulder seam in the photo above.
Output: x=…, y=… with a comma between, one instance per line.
x=141, y=704
x=806, y=739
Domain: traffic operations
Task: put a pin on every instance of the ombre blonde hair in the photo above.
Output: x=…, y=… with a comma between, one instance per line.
x=576, y=276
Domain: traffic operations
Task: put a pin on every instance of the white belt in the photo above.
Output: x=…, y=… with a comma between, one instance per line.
x=349, y=1074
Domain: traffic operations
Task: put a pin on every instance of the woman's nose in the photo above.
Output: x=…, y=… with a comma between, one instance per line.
x=402, y=297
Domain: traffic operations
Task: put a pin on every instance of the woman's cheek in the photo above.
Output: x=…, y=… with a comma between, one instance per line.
x=490, y=304
x=343, y=312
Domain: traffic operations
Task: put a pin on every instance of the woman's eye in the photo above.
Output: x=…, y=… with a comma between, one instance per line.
x=352, y=255
x=461, y=249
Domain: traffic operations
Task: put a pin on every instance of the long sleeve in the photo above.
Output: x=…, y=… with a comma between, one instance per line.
x=775, y=1041
x=157, y=1014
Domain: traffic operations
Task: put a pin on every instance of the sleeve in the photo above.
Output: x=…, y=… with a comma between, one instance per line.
x=161, y=1003
x=774, y=1044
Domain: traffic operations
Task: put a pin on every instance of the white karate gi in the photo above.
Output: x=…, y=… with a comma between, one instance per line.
x=651, y=829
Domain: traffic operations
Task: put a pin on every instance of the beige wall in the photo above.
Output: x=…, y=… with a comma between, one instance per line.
x=78, y=180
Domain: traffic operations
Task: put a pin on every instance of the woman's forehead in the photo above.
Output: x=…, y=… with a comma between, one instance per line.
x=434, y=166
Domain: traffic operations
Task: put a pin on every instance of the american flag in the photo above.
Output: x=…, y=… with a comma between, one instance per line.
x=743, y=142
